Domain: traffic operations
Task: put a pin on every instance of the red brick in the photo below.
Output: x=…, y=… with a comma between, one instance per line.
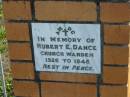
x=115, y=75
x=115, y=12
x=113, y=91
x=17, y=10
x=26, y=88
x=17, y=31
x=68, y=77
x=116, y=34
x=23, y=70
x=20, y=51
x=116, y=55
x=52, y=89
x=65, y=11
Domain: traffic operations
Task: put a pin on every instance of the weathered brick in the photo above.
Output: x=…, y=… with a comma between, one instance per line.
x=17, y=10
x=115, y=75
x=116, y=34
x=65, y=11
x=26, y=89
x=53, y=89
x=20, y=51
x=115, y=12
x=68, y=77
x=17, y=31
x=113, y=91
x=23, y=70
x=116, y=55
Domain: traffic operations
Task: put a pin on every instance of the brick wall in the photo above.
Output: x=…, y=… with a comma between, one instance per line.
x=113, y=17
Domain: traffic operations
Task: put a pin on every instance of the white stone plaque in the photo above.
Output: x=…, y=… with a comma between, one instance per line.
x=64, y=47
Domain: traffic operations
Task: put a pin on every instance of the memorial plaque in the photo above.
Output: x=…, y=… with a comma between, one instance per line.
x=64, y=47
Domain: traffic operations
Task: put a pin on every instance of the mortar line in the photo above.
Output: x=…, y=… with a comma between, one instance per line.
x=37, y=73
x=78, y=22
x=99, y=76
x=77, y=1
